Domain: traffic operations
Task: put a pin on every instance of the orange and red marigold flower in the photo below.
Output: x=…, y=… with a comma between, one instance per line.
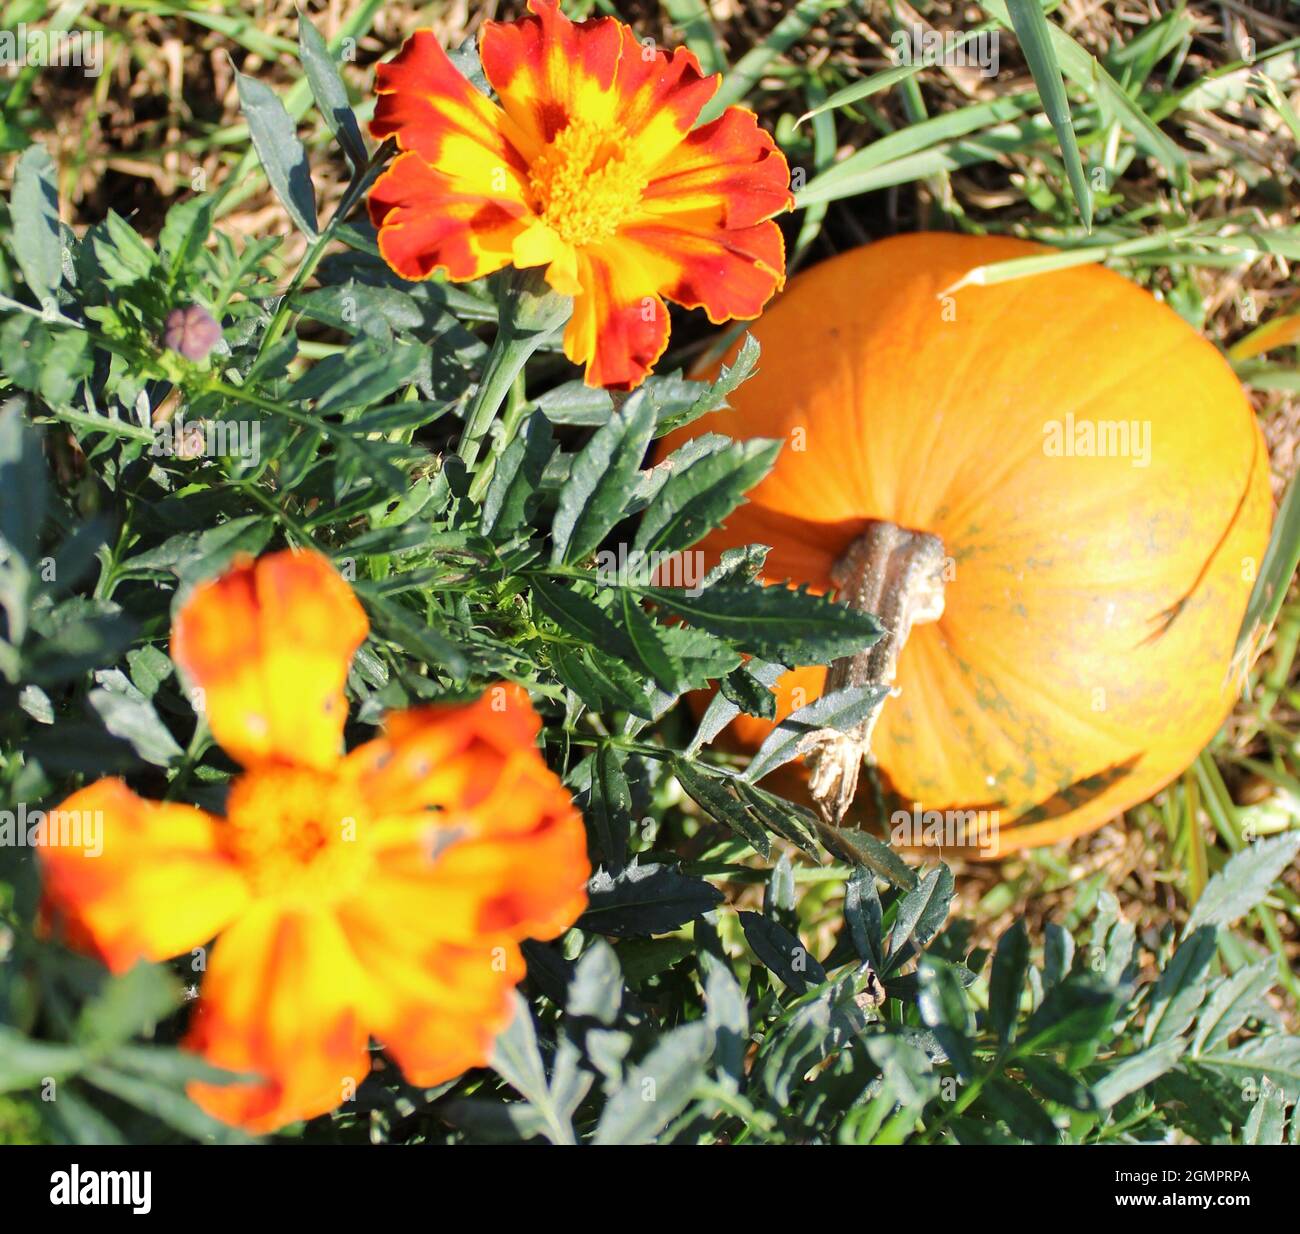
x=591, y=169
x=382, y=893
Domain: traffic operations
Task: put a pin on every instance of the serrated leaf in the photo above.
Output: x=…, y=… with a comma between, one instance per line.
x=517, y=479
x=781, y=952
x=1182, y=987
x=921, y=915
x=864, y=915
x=601, y=480
x=774, y=623
x=645, y=899
x=1232, y=1002
x=714, y=793
x=841, y=710
x=1244, y=882
x=610, y=806
x=1007, y=980
x=697, y=498
x=659, y=1088
x=1137, y=1071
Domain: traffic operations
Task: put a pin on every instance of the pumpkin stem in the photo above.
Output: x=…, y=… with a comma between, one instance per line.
x=896, y=575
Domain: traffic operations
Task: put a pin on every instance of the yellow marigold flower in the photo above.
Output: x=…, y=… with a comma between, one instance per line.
x=591, y=169
x=382, y=893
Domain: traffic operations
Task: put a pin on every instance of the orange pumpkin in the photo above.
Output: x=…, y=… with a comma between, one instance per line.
x=1099, y=485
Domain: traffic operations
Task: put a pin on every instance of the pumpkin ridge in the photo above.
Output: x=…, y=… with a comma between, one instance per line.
x=1179, y=606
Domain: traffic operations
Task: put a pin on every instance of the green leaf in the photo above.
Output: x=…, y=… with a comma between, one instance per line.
x=1076, y=1011
x=841, y=711
x=704, y=396
x=1034, y=32
x=864, y=915
x=517, y=479
x=1268, y=1117
x=1137, y=1071
x=597, y=986
x=516, y=1058
x=659, y=1088
x=165, y=1104
x=921, y=915
x=773, y=623
x=863, y=849
x=781, y=952
x=1232, y=1003
x=714, y=793
x=330, y=93
x=609, y=808
x=1243, y=883
x=282, y=155
x=727, y=1014
x=1275, y=573
x=1275, y=1058
x=1182, y=987
x=37, y=243
x=696, y=499
x=23, y=482
x=130, y=1004
x=1018, y=1109
x=601, y=480
x=25, y=1063
x=646, y=899
x=126, y=713
x=679, y=658
x=1007, y=980
x=946, y=1010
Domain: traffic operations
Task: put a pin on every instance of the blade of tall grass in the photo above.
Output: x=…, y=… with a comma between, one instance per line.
x=1082, y=68
x=1034, y=32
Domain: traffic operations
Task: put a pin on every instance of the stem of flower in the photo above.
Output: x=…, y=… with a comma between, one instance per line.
x=530, y=314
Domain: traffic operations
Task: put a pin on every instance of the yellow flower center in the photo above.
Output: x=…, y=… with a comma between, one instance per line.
x=587, y=181
x=298, y=835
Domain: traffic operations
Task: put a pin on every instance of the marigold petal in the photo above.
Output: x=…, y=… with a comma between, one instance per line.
x=436, y=1009
x=269, y=643
x=729, y=273
x=620, y=326
x=428, y=106
x=661, y=95
x=141, y=879
x=729, y=171
x=547, y=69
x=280, y=1001
x=426, y=224
x=445, y=757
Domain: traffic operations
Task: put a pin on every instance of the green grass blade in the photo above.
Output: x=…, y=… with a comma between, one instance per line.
x=1035, y=35
x=1280, y=561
